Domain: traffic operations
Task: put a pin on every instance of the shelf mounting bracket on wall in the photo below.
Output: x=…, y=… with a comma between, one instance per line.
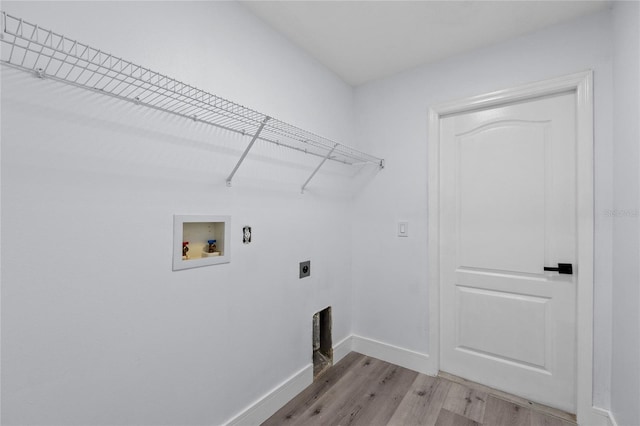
x=47, y=54
x=304, y=185
x=247, y=149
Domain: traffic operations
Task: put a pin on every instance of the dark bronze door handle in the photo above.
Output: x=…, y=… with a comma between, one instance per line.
x=563, y=268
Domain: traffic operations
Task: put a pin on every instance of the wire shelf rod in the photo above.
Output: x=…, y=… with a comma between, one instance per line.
x=160, y=94
x=328, y=156
x=55, y=56
x=246, y=151
x=179, y=97
x=241, y=132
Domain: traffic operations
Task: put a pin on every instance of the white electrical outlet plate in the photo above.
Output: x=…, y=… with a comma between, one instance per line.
x=403, y=229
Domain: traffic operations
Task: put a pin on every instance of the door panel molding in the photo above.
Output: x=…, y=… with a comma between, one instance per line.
x=582, y=84
x=481, y=336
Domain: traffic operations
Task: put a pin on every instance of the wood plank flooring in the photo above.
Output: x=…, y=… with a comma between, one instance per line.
x=360, y=390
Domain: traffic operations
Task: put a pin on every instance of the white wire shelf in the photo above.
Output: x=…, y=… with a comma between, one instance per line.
x=50, y=55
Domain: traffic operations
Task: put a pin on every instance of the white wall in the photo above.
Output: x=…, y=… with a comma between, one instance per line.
x=99, y=330
x=96, y=328
x=625, y=391
x=390, y=273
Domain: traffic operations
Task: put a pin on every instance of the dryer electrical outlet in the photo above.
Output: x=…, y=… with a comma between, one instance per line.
x=305, y=269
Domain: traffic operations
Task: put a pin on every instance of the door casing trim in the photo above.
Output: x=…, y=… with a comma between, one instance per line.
x=582, y=84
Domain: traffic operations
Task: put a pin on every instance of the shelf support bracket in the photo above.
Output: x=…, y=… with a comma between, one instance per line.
x=326, y=157
x=246, y=151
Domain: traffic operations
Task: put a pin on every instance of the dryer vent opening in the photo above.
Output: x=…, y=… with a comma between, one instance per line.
x=322, y=343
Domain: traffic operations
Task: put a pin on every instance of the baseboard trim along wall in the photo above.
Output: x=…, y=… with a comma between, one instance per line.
x=395, y=355
x=264, y=408
x=342, y=349
x=606, y=415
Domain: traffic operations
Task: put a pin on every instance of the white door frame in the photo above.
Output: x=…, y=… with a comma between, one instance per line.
x=582, y=85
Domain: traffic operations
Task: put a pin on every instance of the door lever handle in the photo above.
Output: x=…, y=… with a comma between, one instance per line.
x=563, y=268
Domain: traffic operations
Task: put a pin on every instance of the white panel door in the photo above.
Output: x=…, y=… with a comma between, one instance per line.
x=508, y=209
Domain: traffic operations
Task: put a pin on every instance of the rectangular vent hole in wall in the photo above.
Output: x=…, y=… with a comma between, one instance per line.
x=322, y=342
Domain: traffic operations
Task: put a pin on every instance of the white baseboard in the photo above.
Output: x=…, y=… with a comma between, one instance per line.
x=605, y=415
x=393, y=354
x=342, y=349
x=264, y=408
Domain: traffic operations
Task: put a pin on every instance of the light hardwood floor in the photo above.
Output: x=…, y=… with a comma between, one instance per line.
x=361, y=390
